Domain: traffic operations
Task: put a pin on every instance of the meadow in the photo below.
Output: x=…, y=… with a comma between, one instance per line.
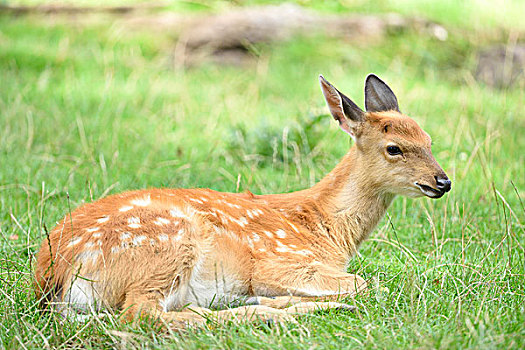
x=91, y=108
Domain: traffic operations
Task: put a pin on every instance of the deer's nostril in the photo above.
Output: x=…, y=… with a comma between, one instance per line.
x=443, y=183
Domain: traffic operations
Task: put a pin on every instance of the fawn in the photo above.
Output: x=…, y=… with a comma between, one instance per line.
x=171, y=253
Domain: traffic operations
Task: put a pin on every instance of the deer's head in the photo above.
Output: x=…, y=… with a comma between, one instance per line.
x=394, y=151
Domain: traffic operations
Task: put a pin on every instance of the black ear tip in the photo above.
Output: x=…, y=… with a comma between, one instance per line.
x=324, y=82
x=372, y=77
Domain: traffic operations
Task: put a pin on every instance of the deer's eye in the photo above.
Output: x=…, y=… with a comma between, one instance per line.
x=393, y=150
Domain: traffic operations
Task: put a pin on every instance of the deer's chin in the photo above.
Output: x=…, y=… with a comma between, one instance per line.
x=410, y=191
x=429, y=191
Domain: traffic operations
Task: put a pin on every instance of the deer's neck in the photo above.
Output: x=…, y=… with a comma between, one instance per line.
x=344, y=206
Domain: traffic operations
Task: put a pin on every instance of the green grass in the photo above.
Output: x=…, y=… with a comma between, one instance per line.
x=89, y=110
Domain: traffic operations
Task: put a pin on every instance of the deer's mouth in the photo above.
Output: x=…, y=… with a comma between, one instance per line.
x=430, y=191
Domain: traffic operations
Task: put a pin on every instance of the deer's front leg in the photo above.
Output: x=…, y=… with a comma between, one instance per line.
x=321, y=285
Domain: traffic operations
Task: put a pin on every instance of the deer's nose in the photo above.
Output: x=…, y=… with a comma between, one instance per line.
x=443, y=183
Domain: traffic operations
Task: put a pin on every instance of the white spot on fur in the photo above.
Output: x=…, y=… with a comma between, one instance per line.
x=93, y=229
x=179, y=235
x=219, y=211
x=163, y=237
x=231, y=205
x=74, y=241
x=281, y=248
x=269, y=234
x=177, y=213
x=256, y=237
x=249, y=213
x=138, y=240
x=280, y=233
x=125, y=208
x=88, y=256
x=115, y=249
x=97, y=234
x=262, y=250
x=134, y=222
x=196, y=200
x=103, y=219
x=161, y=221
x=222, y=216
x=204, y=199
x=142, y=202
x=287, y=249
x=241, y=221
x=125, y=235
x=304, y=252
x=89, y=244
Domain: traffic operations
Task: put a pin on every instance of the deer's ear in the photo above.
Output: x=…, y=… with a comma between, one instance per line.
x=378, y=96
x=346, y=112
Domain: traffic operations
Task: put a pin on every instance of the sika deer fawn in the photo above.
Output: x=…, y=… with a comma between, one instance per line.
x=170, y=253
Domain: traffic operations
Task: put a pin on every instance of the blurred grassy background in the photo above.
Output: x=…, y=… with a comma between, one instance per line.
x=89, y=108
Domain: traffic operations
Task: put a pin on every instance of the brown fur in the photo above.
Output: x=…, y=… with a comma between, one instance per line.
x=154, y=251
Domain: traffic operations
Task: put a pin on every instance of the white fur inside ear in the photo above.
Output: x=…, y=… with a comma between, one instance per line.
x=349, y=131
x=345, y=123
x=336, y=104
